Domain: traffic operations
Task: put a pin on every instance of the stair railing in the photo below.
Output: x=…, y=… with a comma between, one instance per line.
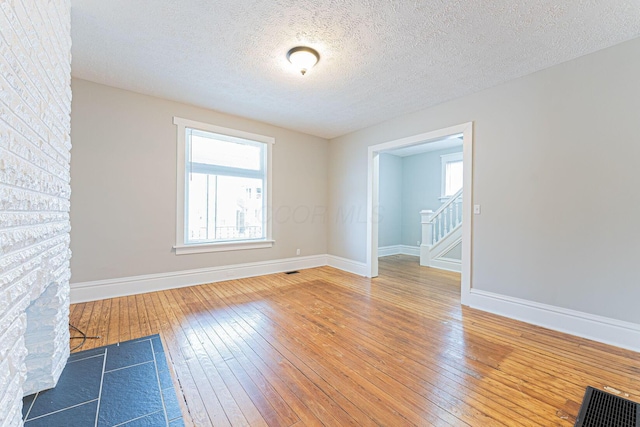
x=447, y=218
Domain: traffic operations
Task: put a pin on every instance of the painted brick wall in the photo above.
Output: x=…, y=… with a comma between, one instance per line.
x=35, y=103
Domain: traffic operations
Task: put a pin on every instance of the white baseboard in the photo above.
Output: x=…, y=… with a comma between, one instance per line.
x=410, y=250
x=590, y=326
x=348, y=265
x=447, y=264
x=389, y=250
x=111, y=288
x=399, y=249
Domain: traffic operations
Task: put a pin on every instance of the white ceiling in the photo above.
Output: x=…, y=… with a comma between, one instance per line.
x=379, y=58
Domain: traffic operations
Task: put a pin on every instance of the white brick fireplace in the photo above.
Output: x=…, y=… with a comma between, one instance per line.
x=35, y=103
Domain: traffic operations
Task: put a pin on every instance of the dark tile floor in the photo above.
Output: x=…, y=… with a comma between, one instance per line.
x=126, y=384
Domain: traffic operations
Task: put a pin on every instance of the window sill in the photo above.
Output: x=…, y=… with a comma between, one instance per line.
x=222, y=246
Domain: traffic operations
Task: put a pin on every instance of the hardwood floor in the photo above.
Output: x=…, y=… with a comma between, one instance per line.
x=324, y=347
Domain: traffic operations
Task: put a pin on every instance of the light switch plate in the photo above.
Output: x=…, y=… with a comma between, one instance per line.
x=476, y=209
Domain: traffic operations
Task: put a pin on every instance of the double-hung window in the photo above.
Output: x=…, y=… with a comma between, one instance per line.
x=451, y=174
x=223, y=188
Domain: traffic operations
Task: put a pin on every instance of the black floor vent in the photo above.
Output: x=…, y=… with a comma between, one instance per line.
x=296, y=272
x=600, y=409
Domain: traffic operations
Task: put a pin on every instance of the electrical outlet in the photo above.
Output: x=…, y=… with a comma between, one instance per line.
x=297, y=251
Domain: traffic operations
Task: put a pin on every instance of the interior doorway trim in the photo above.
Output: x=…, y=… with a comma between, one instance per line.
x=466, y=130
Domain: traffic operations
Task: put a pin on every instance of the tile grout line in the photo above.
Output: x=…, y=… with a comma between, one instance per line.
x=60, y=410
x=137, y=418
x=155, y=364
x=129, y=366
x=26, y=417
x=85, y=358
x=104, y=364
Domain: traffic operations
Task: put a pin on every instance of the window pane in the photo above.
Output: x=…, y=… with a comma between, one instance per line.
x=453, y=174
x=224, y=208
x=197, y=211
x=214, y=150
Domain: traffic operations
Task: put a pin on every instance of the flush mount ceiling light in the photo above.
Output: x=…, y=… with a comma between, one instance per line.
x=303, y=58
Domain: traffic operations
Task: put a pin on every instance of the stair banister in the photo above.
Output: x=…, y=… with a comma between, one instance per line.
x=447, y=204
x=438, y=225
x=444, y=220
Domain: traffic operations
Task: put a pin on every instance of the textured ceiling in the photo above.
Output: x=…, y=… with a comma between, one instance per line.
x=379, y=58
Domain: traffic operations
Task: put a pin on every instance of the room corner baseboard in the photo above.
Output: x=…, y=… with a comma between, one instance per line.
x=399, y=250
x=348, y=265
x=410, y=250
x=597, y=328
x=124, y=286
x=389, y=250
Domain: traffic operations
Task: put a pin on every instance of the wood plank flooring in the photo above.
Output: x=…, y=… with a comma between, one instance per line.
x=324, y=347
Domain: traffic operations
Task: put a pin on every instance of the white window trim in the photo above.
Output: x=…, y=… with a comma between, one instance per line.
x=197, y=248
x=444, y=159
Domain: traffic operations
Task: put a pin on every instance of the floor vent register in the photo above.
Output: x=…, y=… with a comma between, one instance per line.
x=602, y=409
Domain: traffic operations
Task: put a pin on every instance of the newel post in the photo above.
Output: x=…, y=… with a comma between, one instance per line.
x=427, y=237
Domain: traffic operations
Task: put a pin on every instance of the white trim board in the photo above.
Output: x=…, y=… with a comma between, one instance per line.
x=124, y=286
x=410, y=250
x=399, y=250
x=447, y=264
x=389, y=250
x=597, y=328
x=348, y=265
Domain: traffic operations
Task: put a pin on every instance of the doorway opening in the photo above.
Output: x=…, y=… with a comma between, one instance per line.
x=416, y=144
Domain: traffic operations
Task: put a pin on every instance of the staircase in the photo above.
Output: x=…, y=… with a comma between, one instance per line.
x=442, y=235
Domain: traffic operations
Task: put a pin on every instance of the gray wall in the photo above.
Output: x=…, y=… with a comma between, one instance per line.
x=546, y=147
x=421, y=189
x=455, y=252
x=123, y=181
x=390, y=201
